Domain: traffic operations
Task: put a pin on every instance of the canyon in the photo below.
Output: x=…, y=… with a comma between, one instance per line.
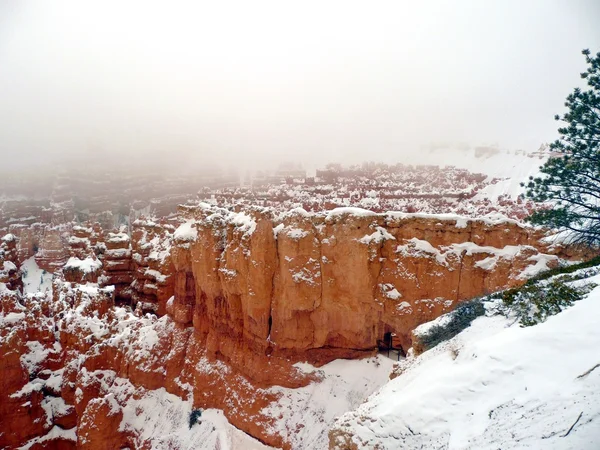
x=221, y=308
x=135, y=313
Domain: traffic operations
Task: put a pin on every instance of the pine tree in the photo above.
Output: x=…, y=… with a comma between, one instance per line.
x=570, y=181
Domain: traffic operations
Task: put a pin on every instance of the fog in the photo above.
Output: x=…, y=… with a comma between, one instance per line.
x=253, y=83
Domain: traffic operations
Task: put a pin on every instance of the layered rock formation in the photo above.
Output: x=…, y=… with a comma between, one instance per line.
x=245, y=295
x=117, y=264
x=52, y=253
x=83, y=240
x=28, y=239
x=9, y=260
x=323, y=286
x=74, y=360
x=153, y=283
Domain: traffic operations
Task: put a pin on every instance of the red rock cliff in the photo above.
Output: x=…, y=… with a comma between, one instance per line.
x=246, y=295
x=318, y=287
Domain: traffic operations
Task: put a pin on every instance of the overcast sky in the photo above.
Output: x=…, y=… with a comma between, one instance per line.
x=254, y=81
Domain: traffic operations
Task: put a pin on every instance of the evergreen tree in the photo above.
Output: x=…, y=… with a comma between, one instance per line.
x=571, y=180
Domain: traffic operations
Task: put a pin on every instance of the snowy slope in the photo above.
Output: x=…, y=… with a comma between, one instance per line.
x=163, y=420
x=495, y=385
x=510, y=166
x=306, y=414
x=35, y=279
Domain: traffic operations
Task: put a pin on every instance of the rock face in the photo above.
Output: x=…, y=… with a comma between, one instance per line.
x=28, y=239
x=9, y=260
x=153, y=283
x=239, y=298
x=83, y=240
x=118, y=265
x=52, y=253
x=71, y=359
x=320, y=287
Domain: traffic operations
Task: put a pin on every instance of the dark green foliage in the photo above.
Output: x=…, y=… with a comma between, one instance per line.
x=194, y=416
x=539, y=299
x=534, y=303
x=459, y=319
x=572, y=180
x=592, y=263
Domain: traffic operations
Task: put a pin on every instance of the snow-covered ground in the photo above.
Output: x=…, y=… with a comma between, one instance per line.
x=55, y=432
x=306, y=414
x=35, y=279
x=495, y=385
x=162, y=419
x=511, y=167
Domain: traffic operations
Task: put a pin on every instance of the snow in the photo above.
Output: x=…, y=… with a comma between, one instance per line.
x=296, y=212
x=510, y=167
x=393, y=294
x=277, y=229
x=118, y=253
x=74, y=240
x=162, y=420
x=11, y=318
x=55, y=380
x=404, y=307
x=9, y=237
x=54, y=407
x=359, y=212
x=296, y=233
x=380, y=235
x=88, y=230
x=55, y=433
x=36, y=354
x=229, y=273
x=244, y=222
x=35, y=385
x=35, y=279
x=541, y=265
x=369, y=202
x=441, y=321
x=459, y=221
x=495, y=385
x=419, y=248
x=304, y=415
x=305, y=275
x=8, y=266
x=77, y=320
x=390, y=291
x=159, y=277
x=186, y=232
x=86, y=265
x=118, y=238
x=488, y=263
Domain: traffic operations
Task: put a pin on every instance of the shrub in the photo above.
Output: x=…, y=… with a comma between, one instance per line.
x=448, y=326
x=534, y=303
x=540, y=297
x=194, y=416
x=590, y=264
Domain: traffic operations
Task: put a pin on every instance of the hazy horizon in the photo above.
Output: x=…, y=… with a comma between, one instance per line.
x=247, y=84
